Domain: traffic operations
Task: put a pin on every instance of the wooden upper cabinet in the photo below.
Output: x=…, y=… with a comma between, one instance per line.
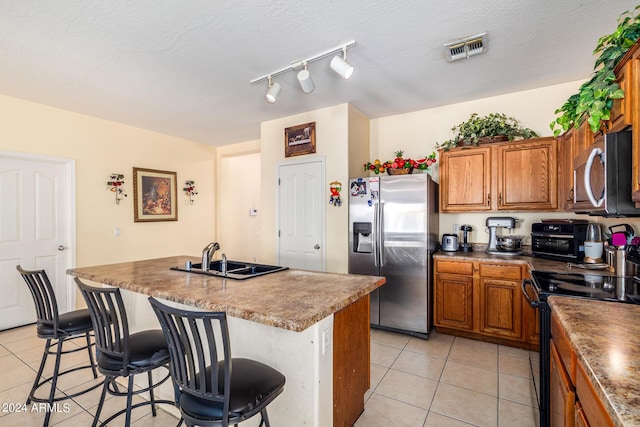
x=527, y=175
x=465, y=180
x=565, y=170
x=622, y=109
x=515, y=176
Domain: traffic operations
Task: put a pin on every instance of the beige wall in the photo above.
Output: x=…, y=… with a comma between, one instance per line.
x=238, y=191
x=101, y=147
x=332, y=137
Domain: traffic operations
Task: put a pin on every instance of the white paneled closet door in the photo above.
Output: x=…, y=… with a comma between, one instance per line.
x=34, y=218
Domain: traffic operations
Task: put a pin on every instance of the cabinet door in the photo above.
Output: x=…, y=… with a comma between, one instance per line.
x=621, y=110
x=500, y=308
x=527, y=176
x=454, y=301
x=565, y=171
x=563, y=395
x=465, y=180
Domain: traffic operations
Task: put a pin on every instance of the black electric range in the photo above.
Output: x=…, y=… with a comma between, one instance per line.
x=586, y=285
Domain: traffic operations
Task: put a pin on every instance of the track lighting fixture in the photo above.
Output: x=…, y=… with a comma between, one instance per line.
x=273, y=91
x=338, y=64
x=304, y=78
x=341, y=66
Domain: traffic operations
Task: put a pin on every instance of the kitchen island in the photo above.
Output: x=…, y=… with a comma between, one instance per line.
x=311, y=326
x=603, y=338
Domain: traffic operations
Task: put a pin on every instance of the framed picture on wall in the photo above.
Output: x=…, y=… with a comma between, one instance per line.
x=154, y=195
x=300, y=139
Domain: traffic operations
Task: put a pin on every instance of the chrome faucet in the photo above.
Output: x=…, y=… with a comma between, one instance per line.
x=207, y=254
x=223, y=264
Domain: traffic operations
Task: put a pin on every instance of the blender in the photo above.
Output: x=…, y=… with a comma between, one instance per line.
x=593, y=244
x=466, y=245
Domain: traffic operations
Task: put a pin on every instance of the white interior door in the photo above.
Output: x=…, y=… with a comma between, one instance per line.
x=301, y=215
x=34, y=222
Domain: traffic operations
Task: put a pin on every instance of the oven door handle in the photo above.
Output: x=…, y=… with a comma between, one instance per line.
x=529, y=283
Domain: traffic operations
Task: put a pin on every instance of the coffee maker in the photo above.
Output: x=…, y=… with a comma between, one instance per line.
x=466, y=245
x=496, y=245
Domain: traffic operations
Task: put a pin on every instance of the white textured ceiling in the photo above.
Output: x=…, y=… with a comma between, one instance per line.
x=183, y=67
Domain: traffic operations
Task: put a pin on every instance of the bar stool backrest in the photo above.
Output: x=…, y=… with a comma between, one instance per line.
x=192, y=338
x=110, y=324
x=44, y=299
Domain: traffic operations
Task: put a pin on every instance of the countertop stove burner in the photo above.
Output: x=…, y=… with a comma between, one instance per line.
x=602, y=287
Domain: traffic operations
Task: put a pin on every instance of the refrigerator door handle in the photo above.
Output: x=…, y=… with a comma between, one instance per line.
x=375, y=234
x=380, y=231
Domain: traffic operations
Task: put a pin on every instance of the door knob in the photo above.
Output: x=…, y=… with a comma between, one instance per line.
x=62, y=248
x=316, y=246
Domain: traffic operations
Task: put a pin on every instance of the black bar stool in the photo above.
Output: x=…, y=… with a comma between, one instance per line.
x=54, y=326
x=121, y=354
x=213, y=391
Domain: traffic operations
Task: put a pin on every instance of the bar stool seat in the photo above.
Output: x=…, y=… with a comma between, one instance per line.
x=73, y=322
x=251, y=383
x=146, y=348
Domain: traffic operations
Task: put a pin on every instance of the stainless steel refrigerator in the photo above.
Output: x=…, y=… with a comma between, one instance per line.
x=393, y=231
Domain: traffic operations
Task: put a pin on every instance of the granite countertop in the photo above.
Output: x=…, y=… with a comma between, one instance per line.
x=290, y=299
x=606, y=337
x=534, y=263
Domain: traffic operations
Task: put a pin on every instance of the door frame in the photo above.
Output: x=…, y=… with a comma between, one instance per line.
x=70, y=210
x=323, y=213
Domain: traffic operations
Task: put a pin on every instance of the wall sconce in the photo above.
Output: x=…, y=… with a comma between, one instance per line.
x=115, y=184
x=190, y=189
x=338, y=64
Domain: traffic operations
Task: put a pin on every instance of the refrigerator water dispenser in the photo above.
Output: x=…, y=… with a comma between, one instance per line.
x=362, y=237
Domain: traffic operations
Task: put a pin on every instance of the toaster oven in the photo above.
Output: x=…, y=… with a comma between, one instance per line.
x=563, y=241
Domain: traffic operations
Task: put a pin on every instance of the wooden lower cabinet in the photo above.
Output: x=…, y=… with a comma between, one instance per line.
x=563, y=395
x=454, y=299
x=483, y=300
x=573, y=399
x=351, y=362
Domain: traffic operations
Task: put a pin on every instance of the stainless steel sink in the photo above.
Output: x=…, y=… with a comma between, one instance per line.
x=236, y=270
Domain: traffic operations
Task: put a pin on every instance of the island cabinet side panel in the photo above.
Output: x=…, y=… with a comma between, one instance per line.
x=351, y=375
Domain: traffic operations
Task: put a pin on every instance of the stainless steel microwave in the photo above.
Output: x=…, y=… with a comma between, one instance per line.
x=602, y=175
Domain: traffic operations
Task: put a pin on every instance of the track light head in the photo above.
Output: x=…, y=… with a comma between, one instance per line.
x=341, y=66
x=272, y=93
x=304, y=78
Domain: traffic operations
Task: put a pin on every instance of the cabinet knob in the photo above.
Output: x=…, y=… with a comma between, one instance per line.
x=488, y=199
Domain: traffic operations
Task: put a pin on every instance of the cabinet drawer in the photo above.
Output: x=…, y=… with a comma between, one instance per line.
x=564, y=348
x=454, y=267
x=591, y=404
x=501, y=271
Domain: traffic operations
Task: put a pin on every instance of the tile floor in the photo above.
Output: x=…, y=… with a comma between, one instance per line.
x=443, y=381
x=446, y=381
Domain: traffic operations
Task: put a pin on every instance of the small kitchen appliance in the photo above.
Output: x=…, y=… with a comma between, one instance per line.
x=449, y=242
x=511, y=245
x=559, y=239
x=593, y=244
x=466, y=245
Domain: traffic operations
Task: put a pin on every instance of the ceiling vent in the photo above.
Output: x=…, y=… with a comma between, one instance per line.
x=462, y=49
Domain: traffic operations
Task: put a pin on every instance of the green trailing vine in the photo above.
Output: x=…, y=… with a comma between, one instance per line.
x=594, y=99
